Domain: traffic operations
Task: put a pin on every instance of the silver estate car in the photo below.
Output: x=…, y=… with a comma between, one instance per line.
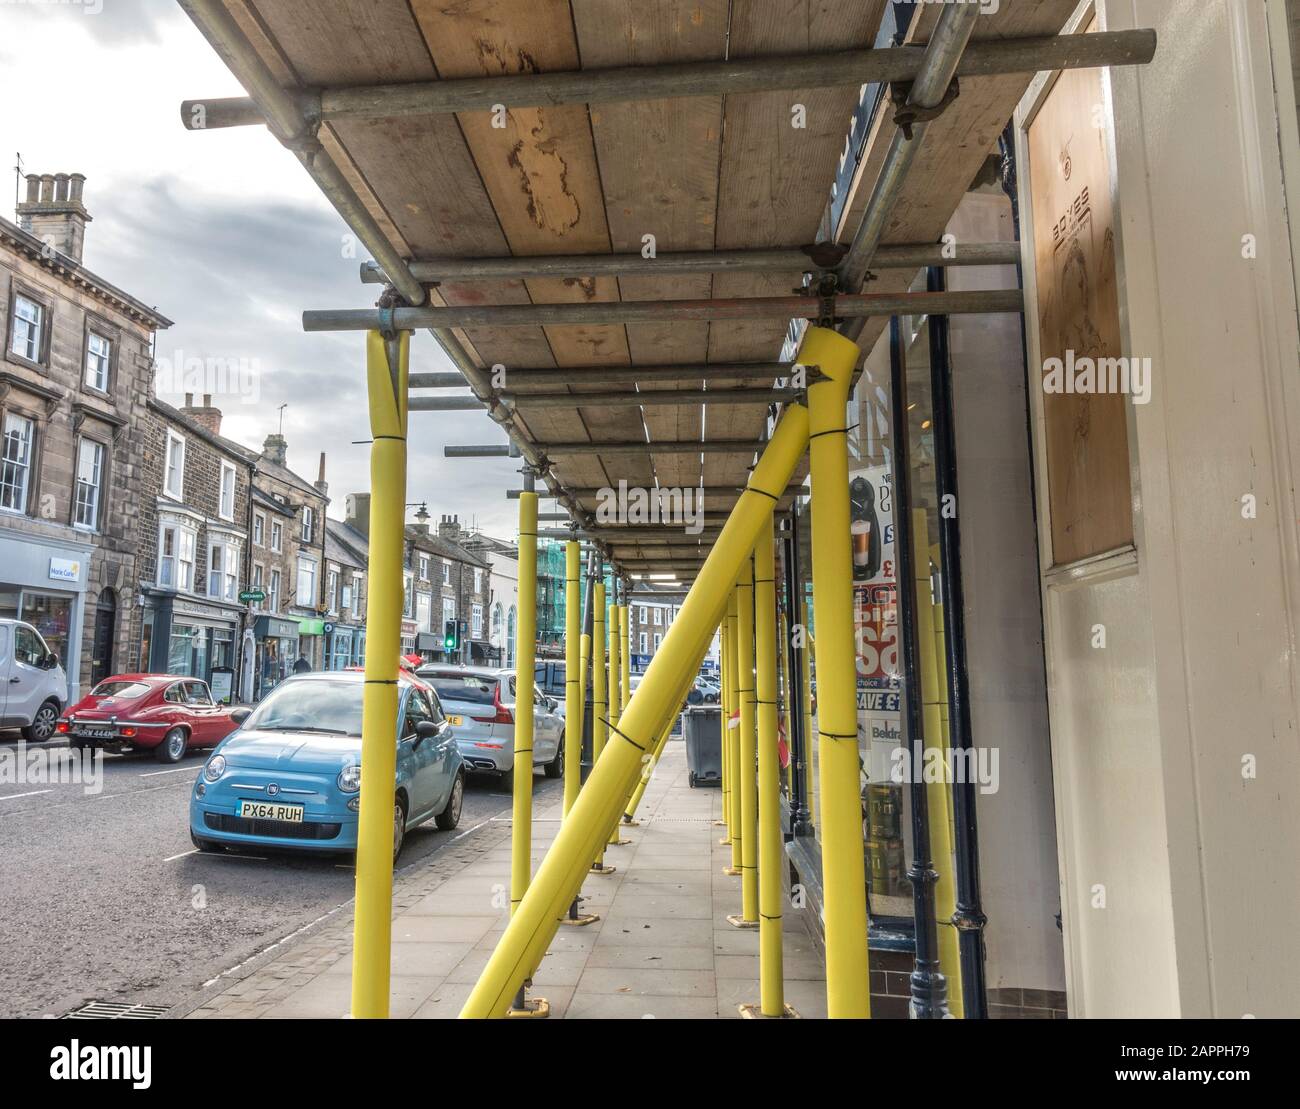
x=480, y=704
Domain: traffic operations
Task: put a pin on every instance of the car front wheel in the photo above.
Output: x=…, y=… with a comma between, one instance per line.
x=42, y=725
x=399, y=828
x=450, y=815
x=172, y=748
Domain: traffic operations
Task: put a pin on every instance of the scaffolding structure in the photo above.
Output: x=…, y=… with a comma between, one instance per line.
x=623, y=327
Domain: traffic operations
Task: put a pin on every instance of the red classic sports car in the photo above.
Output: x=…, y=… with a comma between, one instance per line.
x=148, y=712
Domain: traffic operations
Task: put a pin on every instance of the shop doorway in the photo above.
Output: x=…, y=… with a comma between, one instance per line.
x=101, y=658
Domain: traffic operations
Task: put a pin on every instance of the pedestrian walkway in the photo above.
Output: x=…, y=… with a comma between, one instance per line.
x=662, y=948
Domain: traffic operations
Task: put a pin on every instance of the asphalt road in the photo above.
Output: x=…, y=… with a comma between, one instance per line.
x=103, y=897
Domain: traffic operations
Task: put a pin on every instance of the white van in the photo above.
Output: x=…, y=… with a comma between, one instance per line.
x=33, y=687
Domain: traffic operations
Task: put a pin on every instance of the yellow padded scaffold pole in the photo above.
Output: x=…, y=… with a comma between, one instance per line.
x=387, y=367
x=839, y=774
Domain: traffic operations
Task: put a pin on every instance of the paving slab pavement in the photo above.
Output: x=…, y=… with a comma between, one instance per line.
x=662, y=949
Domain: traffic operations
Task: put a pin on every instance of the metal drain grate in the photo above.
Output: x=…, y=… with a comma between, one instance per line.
x=116, y=1010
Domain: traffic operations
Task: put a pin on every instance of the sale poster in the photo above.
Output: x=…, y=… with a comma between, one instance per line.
x=879, y=682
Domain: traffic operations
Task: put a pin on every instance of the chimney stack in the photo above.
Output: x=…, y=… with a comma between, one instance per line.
x=55, y=213
x=206, y=415
x=276, y=450
x=449, y=528
x=356, y=512
x=322, y=485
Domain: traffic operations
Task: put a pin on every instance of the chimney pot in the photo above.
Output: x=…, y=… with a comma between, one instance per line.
x=53, y=212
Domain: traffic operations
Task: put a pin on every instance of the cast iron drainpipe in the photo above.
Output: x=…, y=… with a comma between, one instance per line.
x=929, y=988
x=969, y=917
x=800, y=822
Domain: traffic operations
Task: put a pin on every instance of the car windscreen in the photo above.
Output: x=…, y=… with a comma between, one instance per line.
x=466, y=688
x=331, y=707
x=125, y=690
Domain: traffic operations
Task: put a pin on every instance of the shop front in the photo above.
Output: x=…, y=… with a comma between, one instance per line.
x=344, y=646
x=275, y=647
x=45, y=584
x=428, y=646
x=189, y=638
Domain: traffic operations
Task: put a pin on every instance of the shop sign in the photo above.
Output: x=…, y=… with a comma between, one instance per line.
x=65, y=569
x=252, y=597
x=311, y=627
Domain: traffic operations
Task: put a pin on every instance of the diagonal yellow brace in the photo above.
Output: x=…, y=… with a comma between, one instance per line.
x=616, y=771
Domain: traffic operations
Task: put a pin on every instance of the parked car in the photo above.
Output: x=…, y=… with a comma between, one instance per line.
x=550, y=680
x=290, y=777
x=480, y=701
x=33, y=686
x=148, y=712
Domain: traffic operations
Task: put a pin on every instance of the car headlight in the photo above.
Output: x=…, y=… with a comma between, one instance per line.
x=350, y=779
x=215, y=768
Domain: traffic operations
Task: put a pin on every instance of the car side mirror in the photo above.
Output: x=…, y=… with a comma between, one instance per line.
x=426, y=729
x=49, y=660
x=238, y=716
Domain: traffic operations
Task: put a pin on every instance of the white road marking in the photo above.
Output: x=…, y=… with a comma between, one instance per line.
x=471, y=831
x=178, y=770
x=183, y=854
x=34, y=793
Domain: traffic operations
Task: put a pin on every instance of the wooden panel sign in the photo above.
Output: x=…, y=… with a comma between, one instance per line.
x=1085, y=430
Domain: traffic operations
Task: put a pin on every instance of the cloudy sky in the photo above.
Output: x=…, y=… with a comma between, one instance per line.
x=225, y=233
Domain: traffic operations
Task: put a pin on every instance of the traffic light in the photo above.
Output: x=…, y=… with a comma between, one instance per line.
x=451, y=636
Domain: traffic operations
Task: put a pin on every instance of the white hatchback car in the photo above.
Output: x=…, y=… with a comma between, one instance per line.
x=33, y=686
x=480, y=704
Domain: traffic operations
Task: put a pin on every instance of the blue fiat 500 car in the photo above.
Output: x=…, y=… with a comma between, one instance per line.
x=290, y=777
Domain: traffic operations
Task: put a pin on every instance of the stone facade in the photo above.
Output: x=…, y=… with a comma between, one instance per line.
x=75, y=381
x=194, y=538
x=650, y=619
x=289, y=513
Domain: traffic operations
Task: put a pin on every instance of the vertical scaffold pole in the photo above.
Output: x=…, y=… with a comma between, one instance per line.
x=573, y=675
x=521, y=825
x=576, y=729
x=599, y=705
x=731, y=737
x=746, y=740
x=843, y=870
x=771, y=879
x=387, y=367
x=617, y=680
x=724, y=703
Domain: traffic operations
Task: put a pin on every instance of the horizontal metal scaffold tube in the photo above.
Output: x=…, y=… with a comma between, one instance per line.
x=649, y=399
x=624, y=535
x=618, y=375
x=706, y=490
x=907, y=256
x=667, y=446
x=853, y=306
x=657, y=82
